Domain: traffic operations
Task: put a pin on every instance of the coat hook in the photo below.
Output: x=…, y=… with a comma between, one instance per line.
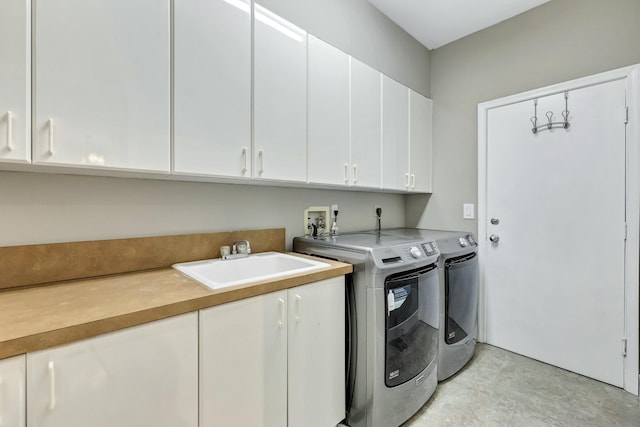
x=550, y=119
x=565, y=115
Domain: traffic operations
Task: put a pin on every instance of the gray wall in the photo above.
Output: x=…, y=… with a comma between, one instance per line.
x=359, y=29
x=41, y=208
x=558, y=41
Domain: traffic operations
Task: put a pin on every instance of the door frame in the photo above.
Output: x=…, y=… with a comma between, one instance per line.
x=631, y=74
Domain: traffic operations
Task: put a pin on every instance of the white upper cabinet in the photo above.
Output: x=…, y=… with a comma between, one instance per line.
x=280, y=99
x=212, y=88
x=420, y=128
x=102, y=84
x=366, y=124
x=406, y=138
x=15, y=81
x=328, y=92
x=13, y=391
x=395, y=135
x=146, y=375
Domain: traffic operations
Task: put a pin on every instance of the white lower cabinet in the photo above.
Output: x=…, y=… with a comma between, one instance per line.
x=141, y=376
x=316, y=361
x=12, y=392
x=275, y=360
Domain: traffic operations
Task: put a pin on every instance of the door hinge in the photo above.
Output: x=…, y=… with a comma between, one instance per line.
x=626, y=115
x=624, y=346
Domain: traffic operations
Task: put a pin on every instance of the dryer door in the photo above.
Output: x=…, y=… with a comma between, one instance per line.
x=460, y=297
x=411, y=323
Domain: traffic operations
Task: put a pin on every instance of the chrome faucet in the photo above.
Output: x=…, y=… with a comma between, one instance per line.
x=240, y=249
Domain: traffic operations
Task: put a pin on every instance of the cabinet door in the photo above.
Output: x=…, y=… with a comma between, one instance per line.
x=141, y=376
x=395, y=135
x=420, y=142
x=366, y=124
x=243, y=363
x=15, y=81
x=280, y=98
x=212, y=87
x=316, y=354
x=328, y=92
x=101, y=74
x=12, y=392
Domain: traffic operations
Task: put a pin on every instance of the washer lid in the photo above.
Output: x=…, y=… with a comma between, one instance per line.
x=368, y=240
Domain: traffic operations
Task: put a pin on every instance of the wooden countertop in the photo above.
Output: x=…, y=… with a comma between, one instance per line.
x=39, y=317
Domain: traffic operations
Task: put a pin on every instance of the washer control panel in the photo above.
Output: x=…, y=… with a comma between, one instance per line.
x=418, y=252
x=430, y=248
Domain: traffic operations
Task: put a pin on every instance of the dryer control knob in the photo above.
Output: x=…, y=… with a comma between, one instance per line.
x=415, y=252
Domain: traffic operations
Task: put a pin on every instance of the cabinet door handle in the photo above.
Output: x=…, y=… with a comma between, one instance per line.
x=52, y=385
x=413, y=180
x=406, y=177
x=1, y=400
x=346, y=173
x=50, y=123
x=244, y=160
x=298, y=308
x=9, y=133
x=261, y=159
x=281, y=304
x=355, y=173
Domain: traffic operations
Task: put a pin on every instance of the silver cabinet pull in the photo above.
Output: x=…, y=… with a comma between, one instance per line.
x=281, y=304
x=495, y=221
x=50, y=124
x=9, y=133
x=355, y=173
x=52, y=385
x=244, y=160
x=494, y=238
x=298, y=308
x=261, y=159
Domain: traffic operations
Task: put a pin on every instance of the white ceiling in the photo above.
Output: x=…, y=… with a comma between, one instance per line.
x=435, y=23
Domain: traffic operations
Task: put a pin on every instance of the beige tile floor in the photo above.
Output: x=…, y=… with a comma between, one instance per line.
x=498, y=388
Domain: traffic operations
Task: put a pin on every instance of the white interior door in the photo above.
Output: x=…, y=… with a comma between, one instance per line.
x=554, y=281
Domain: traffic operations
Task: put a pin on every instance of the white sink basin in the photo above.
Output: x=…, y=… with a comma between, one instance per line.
x=217, y=274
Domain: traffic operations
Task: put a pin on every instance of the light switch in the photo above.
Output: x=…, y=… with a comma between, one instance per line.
x=468, y=211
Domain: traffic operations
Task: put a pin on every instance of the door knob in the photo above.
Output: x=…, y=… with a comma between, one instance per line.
x=494, y=238
x=495, y=221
